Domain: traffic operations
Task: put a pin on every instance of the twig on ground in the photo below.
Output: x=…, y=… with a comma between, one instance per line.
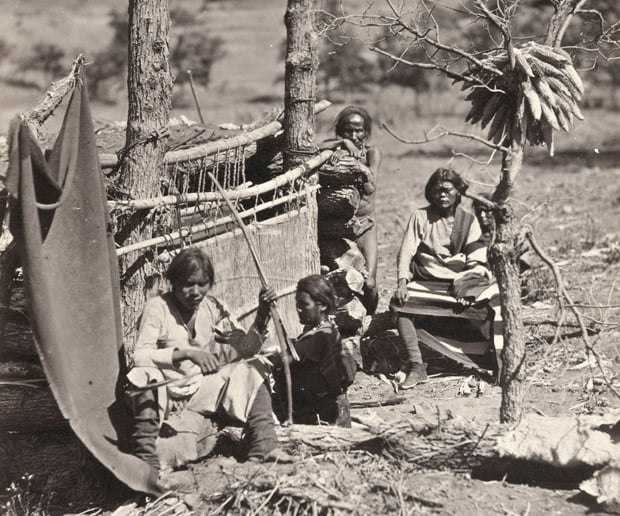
x=469, y=454
x=562, y=297
x=266, y=500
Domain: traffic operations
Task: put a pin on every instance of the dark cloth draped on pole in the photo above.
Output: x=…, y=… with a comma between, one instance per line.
x=59, y=219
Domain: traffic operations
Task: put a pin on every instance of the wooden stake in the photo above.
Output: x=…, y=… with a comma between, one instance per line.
x=286, y=346
x=203, y=226
x=191, y=85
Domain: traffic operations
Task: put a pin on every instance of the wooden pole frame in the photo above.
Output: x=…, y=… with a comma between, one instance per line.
x=286, y=346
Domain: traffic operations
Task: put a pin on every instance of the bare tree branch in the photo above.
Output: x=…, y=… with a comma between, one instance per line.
x=441, y=132
x=565, y=301
x=502, y=25
x=564, y=11
x=398, y=25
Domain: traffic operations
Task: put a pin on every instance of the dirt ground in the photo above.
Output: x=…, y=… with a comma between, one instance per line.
x=573, y=205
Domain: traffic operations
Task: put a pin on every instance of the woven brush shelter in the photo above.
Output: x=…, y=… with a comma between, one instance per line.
x=278, y=206
x=279, y=209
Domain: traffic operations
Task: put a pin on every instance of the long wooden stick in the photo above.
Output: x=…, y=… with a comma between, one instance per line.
x=202, y=227
x=286, y=346
x=213, y=147
x=241, y=193
x=191, y=85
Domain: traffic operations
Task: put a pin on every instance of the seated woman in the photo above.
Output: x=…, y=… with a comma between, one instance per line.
x=320, y=377
x=441, y=241
x=188, y=336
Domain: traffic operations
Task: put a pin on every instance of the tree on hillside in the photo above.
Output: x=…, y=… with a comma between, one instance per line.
x=598, y=56
x=110, y=64
x=47, y=59
x=192, y=49
x=198, y=52
x=343, y=64
x=613, y=70
x=181, y=15
x=419, y=81
x=5, y=50
x=522, y=87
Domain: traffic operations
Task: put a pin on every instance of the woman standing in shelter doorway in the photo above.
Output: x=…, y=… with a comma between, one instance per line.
x=353, y=127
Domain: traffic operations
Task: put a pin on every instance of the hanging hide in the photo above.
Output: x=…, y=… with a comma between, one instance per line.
x=60, y=221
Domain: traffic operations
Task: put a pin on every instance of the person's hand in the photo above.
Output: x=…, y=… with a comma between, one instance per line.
x=337, y=156
x=234, y=335
x=347, y=161
x=401, y=293
x=266, y=298
x=208, y=362
x=277, y=359
x=352, y=149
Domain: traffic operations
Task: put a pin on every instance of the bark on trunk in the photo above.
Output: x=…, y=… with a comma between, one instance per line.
x=299, y=82
x=564, y=11
x=503, y=257
x=503, y=252
x=504, y=261
x=150, y=87
x=30, y=410
x=9, y=261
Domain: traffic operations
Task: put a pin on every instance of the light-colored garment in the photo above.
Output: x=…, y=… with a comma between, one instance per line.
x=231, y=389
x=436, y=247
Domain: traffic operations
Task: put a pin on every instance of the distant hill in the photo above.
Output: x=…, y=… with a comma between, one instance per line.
x=252, y=31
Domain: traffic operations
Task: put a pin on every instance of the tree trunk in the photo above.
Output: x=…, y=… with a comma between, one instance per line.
x=299, y=82
x=503, y=251
x=504, y=257
x=9, y=261
x=30, y=409
x=564, y=11
x=150, y=88
x=538, y=449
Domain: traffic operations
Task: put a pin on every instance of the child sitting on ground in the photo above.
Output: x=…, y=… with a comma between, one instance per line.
x=321, y=376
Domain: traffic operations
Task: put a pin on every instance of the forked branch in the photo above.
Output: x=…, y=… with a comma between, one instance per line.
x=440, y=132
x=565, y=301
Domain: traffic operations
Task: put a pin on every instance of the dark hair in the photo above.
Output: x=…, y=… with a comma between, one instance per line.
x=444, y=174
x=187, y=262
x=353, y=110
x=319, y=289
